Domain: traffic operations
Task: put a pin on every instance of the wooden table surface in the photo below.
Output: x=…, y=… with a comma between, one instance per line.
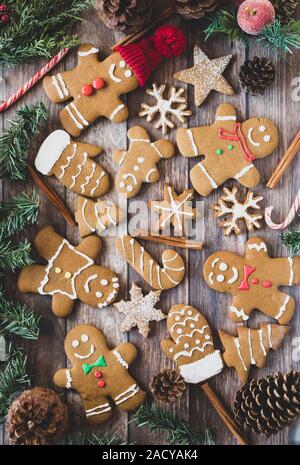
x=47, y=354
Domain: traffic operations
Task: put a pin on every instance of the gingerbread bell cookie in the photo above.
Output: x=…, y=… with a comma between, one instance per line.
x=95, y=86
x=71, y=163
x=166, y=277
x=138, y=163
x=98, y=374
x=253, y=281
x=229, y=148
x=70, y=274
x=96, y=216
x=191, y=346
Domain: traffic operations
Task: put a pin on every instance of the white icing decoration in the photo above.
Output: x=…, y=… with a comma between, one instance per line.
x=136, y=168
x=223, y=266
x=250, y=138
x=122, y=184
x=210, y=278
x=116, y=111
x=90, y=51
x=220, y=278
x=235, y=275
x=122, y=64
x=99, y=295
x=79, y=168
x=86, y=284
x=258, y=247
x=68, y=379
x=158, y=276
x=129, y=188
x=57, y=88
x=51, y=150
x=186, y=345
x=238, y=349
x=190, y=312
x=226, y=118
x=99, y=222
x=79, y=115
x=104, y=282
x=269, y=336
x=206, y=367
x=142, y=260
x=75, y=343
x=69, y=160
x=194, y=146
x=140, y=160
x=239, y=313
x=244, y=171
x=179, y=331
x=267, y=138
x=84, y=216
x=130, y=175
x=130, y=392
x=291, y=263
x=171, y=350
x=191, y=334
x=261, y=341
x=214, y=262
x=98, y=410
x=183, y=323
x=262, y=128
x=131, y=242
x=253, y=362
x=148, y=175
x=192, y=325
x=189, y=353
x=84, y=338
x=120, y=359
x=211, y=180
x=156, y=149
x=128, y=73
x=111, y=74
x=282, y=309
x=88, y=178
x=83, y=357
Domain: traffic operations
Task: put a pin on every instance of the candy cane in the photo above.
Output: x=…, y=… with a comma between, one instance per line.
x=29, y=84
x=291, y=215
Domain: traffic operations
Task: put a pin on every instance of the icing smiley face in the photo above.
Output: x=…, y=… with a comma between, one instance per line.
x=83, y=346
x=220, y=273
x=261, y=136
x=118, y=71
x=94, y=287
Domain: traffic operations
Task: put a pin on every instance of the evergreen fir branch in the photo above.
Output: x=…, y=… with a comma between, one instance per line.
x=39, y=29
x=284, y=37
x=177, y=431
x=17, y=213
x=224, y=21
x=12, y=378
x=291, y=239
x=18, y=319
x=15, y=141
x=96, y=439
x=13, y=257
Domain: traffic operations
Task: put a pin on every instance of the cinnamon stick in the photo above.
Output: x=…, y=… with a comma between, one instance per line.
x=166, y=14
x=51, y=195
x=285, y=162
x=180, y=242
x=224, y=414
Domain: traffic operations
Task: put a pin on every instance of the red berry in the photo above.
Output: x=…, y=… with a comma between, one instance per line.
x=87, y=90
x=102, y=383
x=98, y=83
x=5, y=18
x=3, y=7
x=98, y=374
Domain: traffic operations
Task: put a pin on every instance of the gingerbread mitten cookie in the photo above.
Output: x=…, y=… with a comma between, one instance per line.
x=230, y=148
x=94, y=216
x=193, y=348
x=70, y=274
x=251, y=346
x=95, y=86
x=98, y=374
x=253, y=281
x=138, y=164
x=71, y=163
x=166, y=277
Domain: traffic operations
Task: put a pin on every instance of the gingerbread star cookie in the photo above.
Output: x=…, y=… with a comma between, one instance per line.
x=140, y=310
x=173, y=209
x=206, y=75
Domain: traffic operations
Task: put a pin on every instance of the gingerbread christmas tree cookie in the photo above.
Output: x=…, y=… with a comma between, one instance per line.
x=253, y=281
x=70, y=274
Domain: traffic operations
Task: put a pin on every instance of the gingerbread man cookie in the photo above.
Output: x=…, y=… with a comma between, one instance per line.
x=193, y=348
x=229, y=149
x=95, y=86
x=71, y=163
x=70, y=274
x=253, y=281
x=98, y=373
x=138, y=164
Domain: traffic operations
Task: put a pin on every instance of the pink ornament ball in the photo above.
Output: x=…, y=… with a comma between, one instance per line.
x=254, y=15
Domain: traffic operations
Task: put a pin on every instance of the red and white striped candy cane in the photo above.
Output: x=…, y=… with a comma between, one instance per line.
x=291, y=215
x=29, y=84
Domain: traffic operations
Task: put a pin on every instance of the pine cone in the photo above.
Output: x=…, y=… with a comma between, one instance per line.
x=126, y=16
x=256, y=75
x=268, y=404
x=168, y=386
x=285, y=9
x=195, y=9
x=37, y=417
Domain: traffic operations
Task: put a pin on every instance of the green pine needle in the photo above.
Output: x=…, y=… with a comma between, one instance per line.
x=96, y=439
x=18, y=319
x=224, y=21
x=12, y=378
x=17, y=213
x=177, y=431
x=39, y=29
x=13, y=257
x=15, y=141
x=283, y=37
x=291, y=239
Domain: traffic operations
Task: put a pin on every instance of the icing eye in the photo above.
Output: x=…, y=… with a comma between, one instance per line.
x=84, y=338
x=190, y=312
x=99, y=295
x=140, y=160
x=223, y=266
x=122, y=184
x=129, y=188
x=262, y=128
x=177, y=318
x=220, y=278
x=104, y=282
x=128, y=73
x=75, y=343
x=136, y=168
x=122, y=64
x=267, y=138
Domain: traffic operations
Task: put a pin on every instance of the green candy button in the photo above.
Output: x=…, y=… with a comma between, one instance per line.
x=219, y=152
x=230, y=147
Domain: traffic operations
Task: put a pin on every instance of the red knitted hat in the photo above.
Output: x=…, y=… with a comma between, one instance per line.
x=144, y=56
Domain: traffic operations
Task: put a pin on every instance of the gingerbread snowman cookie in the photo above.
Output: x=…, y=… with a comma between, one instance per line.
x=95, y=86
x=253, y=281
x=70, y=274
x=98, y=374
x=229, y=147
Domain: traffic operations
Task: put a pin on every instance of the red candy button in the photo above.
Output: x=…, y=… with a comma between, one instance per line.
x=255, y=281
x=267, y=284
x=87, y=90
x=98, y=374
x=102, y=383
x=98, y=83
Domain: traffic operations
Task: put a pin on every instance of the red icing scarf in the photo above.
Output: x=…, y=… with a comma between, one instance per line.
x=238, y=136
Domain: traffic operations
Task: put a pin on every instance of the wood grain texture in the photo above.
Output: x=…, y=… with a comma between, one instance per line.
x=47, y=355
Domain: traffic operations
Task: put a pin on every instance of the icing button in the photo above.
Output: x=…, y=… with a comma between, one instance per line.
x=87, y=90
x=57, y=270
x=98, y=374
x=230, y=147
x=102, y=383
x=267, y=284
x=255, y=281
x=98, y=83
x=68, y=275
x=219, y=152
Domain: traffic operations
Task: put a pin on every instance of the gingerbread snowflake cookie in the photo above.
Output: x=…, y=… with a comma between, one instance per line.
x=98, y=373
x=96, y=216
x=229, y=148
x=236, y=211
x=191, y=346
x=174, y=209
x=71, y=162
x=253, y=281
x=138, y=163
x=166, y=109
x=70, y=274
x=140, y=310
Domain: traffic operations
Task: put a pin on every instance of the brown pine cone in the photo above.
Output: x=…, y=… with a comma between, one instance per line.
x=126, y=16
x=285, y=9
x=168, y=386
x=268, y=404
x=37, y=417
x=256, y=75
x=195, y=9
